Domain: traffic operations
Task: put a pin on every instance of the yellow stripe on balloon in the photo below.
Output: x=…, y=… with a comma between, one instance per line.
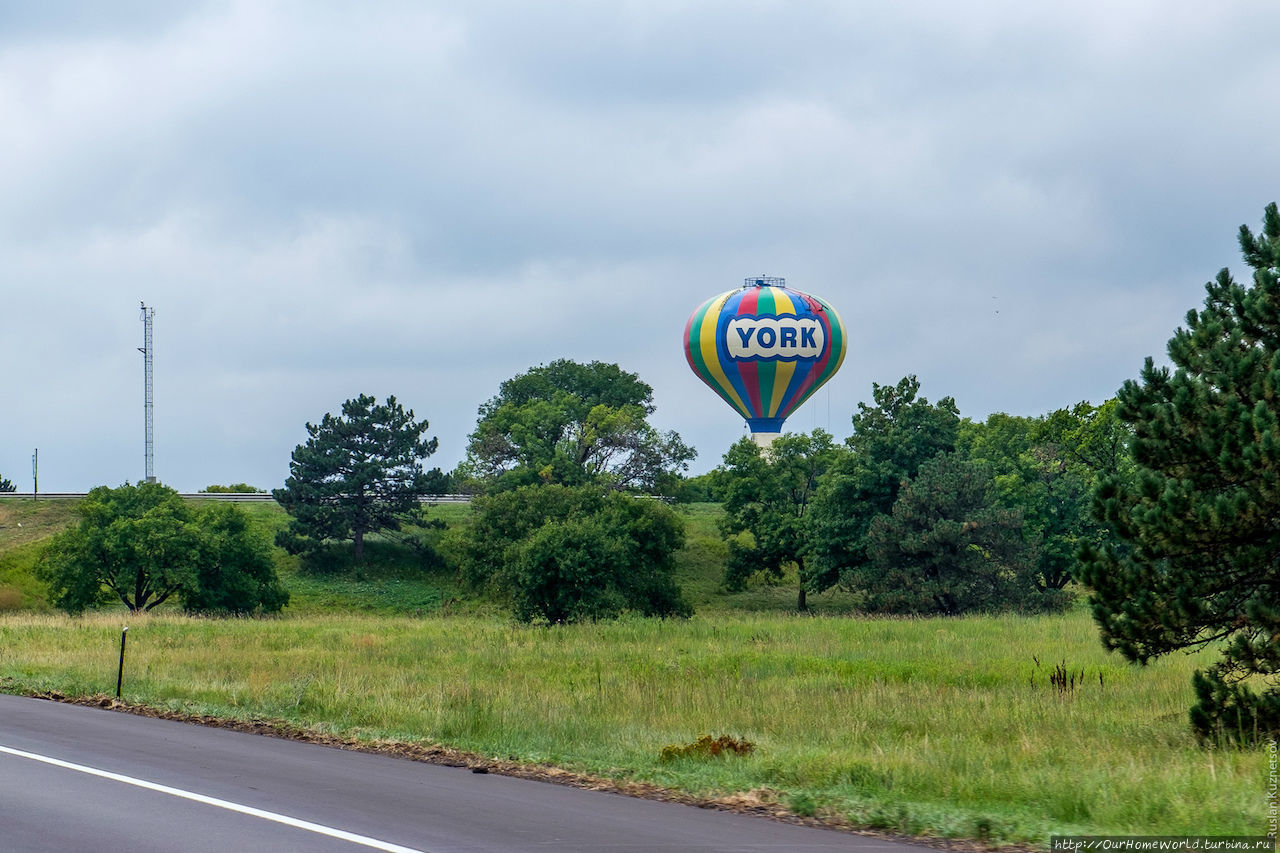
x=781, y=381
x=782, y=304
x=707, y=345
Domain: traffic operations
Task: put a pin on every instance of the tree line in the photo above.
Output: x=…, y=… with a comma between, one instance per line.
x=920, y=511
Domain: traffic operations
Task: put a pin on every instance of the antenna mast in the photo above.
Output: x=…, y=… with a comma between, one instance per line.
x=148, y=355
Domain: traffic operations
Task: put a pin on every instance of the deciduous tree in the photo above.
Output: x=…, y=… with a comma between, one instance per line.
x=766, y=495
x=144, y=545
x=235, y=573
x=573, y=424
x=563, y=554
x=1047, y=468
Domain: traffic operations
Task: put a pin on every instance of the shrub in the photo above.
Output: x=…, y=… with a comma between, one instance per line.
x=708, y=747
x=565, y=554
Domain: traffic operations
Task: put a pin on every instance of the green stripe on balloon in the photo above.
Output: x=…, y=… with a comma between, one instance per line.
x=766, y=371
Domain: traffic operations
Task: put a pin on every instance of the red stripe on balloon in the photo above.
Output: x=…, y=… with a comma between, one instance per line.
x=825, y=319
x=749, y=371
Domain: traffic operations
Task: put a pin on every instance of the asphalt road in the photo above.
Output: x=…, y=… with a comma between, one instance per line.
x=75, y=778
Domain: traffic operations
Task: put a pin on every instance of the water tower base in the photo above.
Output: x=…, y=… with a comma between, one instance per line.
x=764, y=440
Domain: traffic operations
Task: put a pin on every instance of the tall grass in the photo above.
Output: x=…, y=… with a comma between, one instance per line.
x=941, y=727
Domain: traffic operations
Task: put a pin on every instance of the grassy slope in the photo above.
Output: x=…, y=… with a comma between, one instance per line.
x=24, y=525
x=941, y=727
x=396, y=581
x=393, y=581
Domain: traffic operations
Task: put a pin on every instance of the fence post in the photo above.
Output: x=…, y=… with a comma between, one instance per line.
x=120, y=672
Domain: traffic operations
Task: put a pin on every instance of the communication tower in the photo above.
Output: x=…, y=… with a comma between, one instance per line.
x=148, y=356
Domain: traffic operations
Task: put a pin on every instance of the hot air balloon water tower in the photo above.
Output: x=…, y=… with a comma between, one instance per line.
x=765, y=349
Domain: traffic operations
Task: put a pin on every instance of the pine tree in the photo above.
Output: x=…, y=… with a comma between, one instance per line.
x=948, y=547
x=1197, y=559
x=359, y=473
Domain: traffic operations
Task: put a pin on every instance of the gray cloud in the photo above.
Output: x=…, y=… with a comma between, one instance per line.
x=1015, y=203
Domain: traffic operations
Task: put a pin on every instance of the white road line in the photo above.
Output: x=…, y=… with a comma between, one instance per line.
x=317, y=828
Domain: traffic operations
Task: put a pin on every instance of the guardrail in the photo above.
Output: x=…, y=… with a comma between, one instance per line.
x=42, y=495
x=259, y=497
x=235, y=497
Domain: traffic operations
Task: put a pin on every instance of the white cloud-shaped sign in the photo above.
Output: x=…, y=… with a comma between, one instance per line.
x=775, y=337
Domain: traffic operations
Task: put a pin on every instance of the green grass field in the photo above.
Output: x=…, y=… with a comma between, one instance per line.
x=935, y=727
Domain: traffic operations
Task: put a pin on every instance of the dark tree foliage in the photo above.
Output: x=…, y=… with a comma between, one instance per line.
x=1199, y=556
x=135, y=543
x=1074, y=450
x=235, y=574
x=1092, y=437
x=766, y=495
x=564, y=572
x=144, y=545
x=1048, y=467
x=1057, y=506
x=698, y=489
x=890, y=442
x=566, y=554
x=6, y=486
x=948, y=547
x=437, y=482
x=573, y=424
x=357, y=474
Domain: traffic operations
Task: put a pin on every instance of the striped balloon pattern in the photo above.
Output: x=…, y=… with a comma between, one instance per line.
x=765, y=349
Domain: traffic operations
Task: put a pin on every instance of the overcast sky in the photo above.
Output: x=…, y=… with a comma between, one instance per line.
x=1015, y=201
